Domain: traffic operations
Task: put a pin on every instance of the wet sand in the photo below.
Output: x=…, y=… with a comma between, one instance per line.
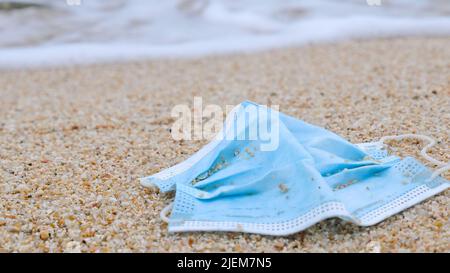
x=74, y=141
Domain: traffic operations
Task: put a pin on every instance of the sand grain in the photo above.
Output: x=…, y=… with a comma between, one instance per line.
x=73, y=142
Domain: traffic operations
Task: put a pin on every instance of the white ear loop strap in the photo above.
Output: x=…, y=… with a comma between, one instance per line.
x=165, y=211
x=444, y=166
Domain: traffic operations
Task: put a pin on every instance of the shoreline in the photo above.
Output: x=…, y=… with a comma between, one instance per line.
x=105, y=61
x=75, y=140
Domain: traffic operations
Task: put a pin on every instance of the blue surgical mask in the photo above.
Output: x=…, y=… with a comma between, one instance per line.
x=233, y=184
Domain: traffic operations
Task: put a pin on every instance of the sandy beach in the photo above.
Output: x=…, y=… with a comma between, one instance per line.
x=74, y=141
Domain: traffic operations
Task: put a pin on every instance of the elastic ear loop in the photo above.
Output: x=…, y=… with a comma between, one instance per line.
x=444, y=166
x=165, y=211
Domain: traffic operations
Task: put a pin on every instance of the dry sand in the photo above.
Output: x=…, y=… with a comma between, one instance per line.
x=73, y=142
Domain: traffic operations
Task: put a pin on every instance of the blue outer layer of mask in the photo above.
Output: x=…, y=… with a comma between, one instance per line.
x=314, y=174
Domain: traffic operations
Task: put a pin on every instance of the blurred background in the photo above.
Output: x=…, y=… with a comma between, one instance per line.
x=46, y=31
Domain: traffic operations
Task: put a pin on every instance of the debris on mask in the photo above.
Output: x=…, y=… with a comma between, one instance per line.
x=199, y=178
x=217, y=167
x=283, y=188
x=345, y=185
x=249, y=152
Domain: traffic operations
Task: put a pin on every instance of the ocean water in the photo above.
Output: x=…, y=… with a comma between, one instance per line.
x=64, y=32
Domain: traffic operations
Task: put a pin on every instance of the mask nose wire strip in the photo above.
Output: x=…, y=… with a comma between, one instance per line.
x=165, y=211
x=444, y=166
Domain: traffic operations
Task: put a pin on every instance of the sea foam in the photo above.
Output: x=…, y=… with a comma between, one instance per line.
x=54, y=33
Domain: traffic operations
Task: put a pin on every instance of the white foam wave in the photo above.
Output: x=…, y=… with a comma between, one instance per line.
x=197, y=28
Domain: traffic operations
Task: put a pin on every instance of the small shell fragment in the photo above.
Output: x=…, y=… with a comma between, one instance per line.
x=283, y=188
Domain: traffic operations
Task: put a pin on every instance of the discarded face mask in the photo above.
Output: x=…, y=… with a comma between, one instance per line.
x=231, y=184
